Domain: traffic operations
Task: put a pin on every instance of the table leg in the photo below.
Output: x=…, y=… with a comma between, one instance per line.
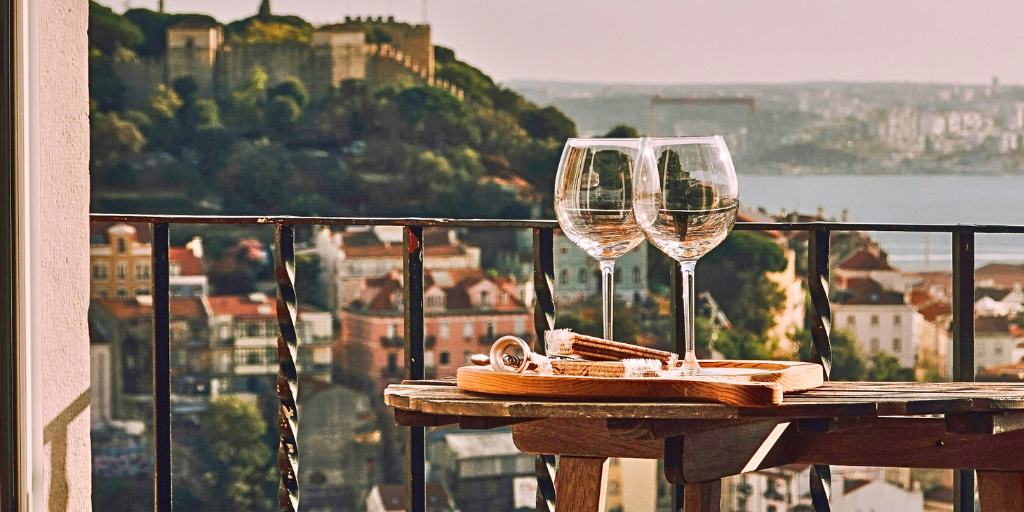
x=703, y=497
x=580, y=484
x=1001, y=491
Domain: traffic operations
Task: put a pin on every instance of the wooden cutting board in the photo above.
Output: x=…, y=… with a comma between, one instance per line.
x=740, y=383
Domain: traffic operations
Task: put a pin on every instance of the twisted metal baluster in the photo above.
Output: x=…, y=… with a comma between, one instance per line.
x=543, y=321
x=821, y=350
x=287, y=376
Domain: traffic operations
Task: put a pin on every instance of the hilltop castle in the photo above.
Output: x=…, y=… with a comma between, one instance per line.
x=196, y=47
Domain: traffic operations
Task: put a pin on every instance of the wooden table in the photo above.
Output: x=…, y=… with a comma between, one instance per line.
x=920, y=425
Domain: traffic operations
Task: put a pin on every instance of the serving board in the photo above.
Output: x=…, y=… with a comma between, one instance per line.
x=740, y=383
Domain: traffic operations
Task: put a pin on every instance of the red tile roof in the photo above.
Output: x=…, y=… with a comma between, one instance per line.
x=380, y=292
x=1013, y=372
x=939, y=308
x=187, y=261
x=992, y=325
x=243, y=306
x=866, y=291
x=180, y=307
x=866, y=260
x=98, y=232
x=366, y=244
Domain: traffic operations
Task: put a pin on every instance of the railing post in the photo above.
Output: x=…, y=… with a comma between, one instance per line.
x=415, y=437
x=543, y=321
x=963, y=346
x=821, y=349
x=679, y=339
x=287, y=375
x=162, y=495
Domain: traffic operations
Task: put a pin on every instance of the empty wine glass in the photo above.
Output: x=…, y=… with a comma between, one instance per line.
x=685, y=196
x=594, y=205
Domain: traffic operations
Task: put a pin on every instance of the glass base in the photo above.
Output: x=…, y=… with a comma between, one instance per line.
x=689, y=366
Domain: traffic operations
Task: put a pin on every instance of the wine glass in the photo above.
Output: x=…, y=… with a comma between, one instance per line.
x=685, y=197
x=594, y=205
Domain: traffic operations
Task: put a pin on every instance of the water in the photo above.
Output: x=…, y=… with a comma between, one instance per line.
x=923, y=199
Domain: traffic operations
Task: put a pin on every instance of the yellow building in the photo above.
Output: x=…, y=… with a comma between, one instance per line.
x=120, y=258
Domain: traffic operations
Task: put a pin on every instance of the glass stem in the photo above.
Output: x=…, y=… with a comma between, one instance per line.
x=607, y=295
x=690, y=365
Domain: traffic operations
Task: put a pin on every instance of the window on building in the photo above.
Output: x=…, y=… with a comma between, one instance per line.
x=444, y=357
x=851, y=320
x=122, y=247
x=897, y=345
x=997, y=350
x=103, y=294
x=142, y=291
x=485, y=299
x=392, y=362
x=563, y=250
x=392, y=330
x=490, y=331
x=142, y=270
x=583, y=276
x=174, y=269
x=563, y=277
x=99, y=272
x=771, y=508
x=637, y=275
x=618, y=275
x=897, y=320
x=428, y=359
x=467, y=357
x=435, y=301
x=504, y=297
x=122, y=271
x=875, y=345
x=252, y=330
x=444, y=331
x=874, y=320
x=520, y=326
x=981, y=348
x=122, y=293
x=467, y=331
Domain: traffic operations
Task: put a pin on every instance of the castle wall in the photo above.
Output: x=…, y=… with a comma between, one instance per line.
x=195, y=62
x=140, y=79
x=279, y=60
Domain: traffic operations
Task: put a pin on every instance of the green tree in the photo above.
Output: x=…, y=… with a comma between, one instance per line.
x=109, y=31
x=112, y=139
x=622, y=131
x=739, y=344
x=547, y=123
x=186, y=88
x=293, y=88
x=162, y=109
x=886, y=368
x=106, y=87
x=236, y=459
x=847, y=361
x=735, y=275
x=246, y=104
x=282, y=113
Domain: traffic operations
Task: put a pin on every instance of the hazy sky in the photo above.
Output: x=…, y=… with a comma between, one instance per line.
x=680, y=41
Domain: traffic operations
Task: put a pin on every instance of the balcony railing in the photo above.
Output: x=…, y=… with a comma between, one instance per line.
x=392, y=341
x=543, y=268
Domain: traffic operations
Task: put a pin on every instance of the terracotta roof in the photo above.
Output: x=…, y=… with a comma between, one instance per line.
x=366, y=244
x=918, y=297
x=866, y=260
x=1000, y=275
x=936, y=309
x=992, y=325
x=245, y=306
x=866, y=291
x=379, y=293
x=180, y=307
x=187, y=261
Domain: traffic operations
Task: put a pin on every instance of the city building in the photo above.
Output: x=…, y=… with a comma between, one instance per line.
x=631, y=485
x=778, y=489
x=481, y=469
x=121, y=257
x=879, y=494
x=870, y=262
x=998, y=301
x=243, y=343
x=996, y=342
x=349, y=257
x=577, y=276
x=125, y=327
x=465, y=310
x=391, y=498
x=931, y=332
x=881, y=320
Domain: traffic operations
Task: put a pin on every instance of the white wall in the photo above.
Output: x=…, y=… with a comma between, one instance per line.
x=56, y=265
x=885, y=331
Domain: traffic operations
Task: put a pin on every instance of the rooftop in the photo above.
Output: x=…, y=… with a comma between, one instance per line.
x=475, y=445
x=867, y=259
x=867, y=291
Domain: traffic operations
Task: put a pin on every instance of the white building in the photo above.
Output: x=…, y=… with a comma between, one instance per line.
x=769, y=490
x=881, y=320
x=856, y=495
x=577, y=276
x=996, y=342
x=998, y=301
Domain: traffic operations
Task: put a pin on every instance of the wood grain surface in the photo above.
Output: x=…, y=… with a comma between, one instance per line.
x=741, y=383
x=1001, y=491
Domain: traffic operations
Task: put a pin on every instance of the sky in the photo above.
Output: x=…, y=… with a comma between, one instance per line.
x=696, y=41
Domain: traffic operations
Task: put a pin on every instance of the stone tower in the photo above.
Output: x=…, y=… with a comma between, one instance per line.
x=192, y=48
x=342, y=50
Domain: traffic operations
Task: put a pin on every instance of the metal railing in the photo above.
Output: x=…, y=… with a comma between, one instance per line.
x=544, y=316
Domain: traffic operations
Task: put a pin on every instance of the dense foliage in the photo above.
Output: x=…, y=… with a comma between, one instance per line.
x=365, y=149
